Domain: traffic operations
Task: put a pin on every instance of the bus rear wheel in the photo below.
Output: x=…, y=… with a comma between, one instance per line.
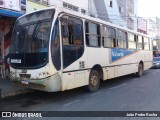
x=140, y=70
x=94, y=81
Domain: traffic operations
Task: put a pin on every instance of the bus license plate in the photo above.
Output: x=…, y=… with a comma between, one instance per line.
x=24, y=82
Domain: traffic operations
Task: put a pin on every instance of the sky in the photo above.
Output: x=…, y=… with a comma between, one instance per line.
x=149, y=8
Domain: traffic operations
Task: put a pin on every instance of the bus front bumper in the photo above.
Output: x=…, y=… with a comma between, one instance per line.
x=49, y=84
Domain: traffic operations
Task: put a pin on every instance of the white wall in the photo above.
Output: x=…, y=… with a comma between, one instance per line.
x=79, y=3
x=151, y=28
x=55, y=2
x=90, y=6
x=87, y=5
x=114, y=15
x=31, y=6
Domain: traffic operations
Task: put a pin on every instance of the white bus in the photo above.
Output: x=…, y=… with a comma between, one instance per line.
x=57, y=49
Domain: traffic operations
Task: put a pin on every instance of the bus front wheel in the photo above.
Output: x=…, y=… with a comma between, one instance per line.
x=140, y=70
x=94, y=81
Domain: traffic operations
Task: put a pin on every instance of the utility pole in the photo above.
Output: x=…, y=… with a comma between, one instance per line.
x=88, y=6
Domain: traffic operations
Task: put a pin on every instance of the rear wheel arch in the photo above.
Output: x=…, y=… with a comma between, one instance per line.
x=140, y=69
x=95, y=77
x=99, y=70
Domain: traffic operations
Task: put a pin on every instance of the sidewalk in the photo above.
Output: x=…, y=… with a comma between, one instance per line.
x=8, y=89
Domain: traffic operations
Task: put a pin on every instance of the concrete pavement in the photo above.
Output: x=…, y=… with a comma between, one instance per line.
x=7, y=89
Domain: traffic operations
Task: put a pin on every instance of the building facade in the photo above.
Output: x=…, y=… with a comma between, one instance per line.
x=156, y=31
x=142, y=25
x=120, y=12
x=151, y=28
x=9, y=12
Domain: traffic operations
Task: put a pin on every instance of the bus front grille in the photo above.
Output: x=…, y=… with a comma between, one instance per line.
x=25, y=76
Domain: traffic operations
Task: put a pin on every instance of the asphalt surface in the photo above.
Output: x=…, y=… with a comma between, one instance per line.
x=127, y=93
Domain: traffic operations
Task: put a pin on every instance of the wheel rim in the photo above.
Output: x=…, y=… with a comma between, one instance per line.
x=94, y=81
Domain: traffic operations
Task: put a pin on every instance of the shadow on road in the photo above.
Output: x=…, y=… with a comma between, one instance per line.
x=38, y=97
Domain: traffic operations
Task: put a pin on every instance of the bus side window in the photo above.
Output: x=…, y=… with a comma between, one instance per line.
x=78, y=34
x=72, y=38
x=112, y=36
x=121, y=39
x=135, y=40
x=109, y=37
x=72, y=31
x=146, y=43
x=131, y=41
x=139, y=43
x=55, y=46
x=92, y=34
x=65, y=34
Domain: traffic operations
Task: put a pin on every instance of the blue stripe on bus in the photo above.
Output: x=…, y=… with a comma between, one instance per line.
x=120, y=53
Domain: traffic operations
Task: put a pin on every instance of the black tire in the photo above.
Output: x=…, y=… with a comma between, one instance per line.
x=140, y=70
x=94, y=81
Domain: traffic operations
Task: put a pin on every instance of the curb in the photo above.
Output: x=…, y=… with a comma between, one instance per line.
x=15, y=93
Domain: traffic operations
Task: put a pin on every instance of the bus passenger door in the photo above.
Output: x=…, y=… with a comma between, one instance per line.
x=72, y=52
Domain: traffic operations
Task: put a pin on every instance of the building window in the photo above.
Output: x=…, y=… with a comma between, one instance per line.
x=65, y=5
x=130, y=24
x=72, y=7
x=45, y=2
x=75, y=8
x=121, y=9
x=83, y=11
x=111, y=3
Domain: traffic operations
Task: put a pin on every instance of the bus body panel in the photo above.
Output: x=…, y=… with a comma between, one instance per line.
x=73, y=80
x=75, y=74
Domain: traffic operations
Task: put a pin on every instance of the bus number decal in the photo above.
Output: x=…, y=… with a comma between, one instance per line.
x=81, y=64
x=15, y=60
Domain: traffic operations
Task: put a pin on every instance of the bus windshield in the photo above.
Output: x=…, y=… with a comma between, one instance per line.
x=30, y=40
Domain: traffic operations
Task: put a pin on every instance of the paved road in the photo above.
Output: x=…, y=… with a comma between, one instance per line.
x=127, y=93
